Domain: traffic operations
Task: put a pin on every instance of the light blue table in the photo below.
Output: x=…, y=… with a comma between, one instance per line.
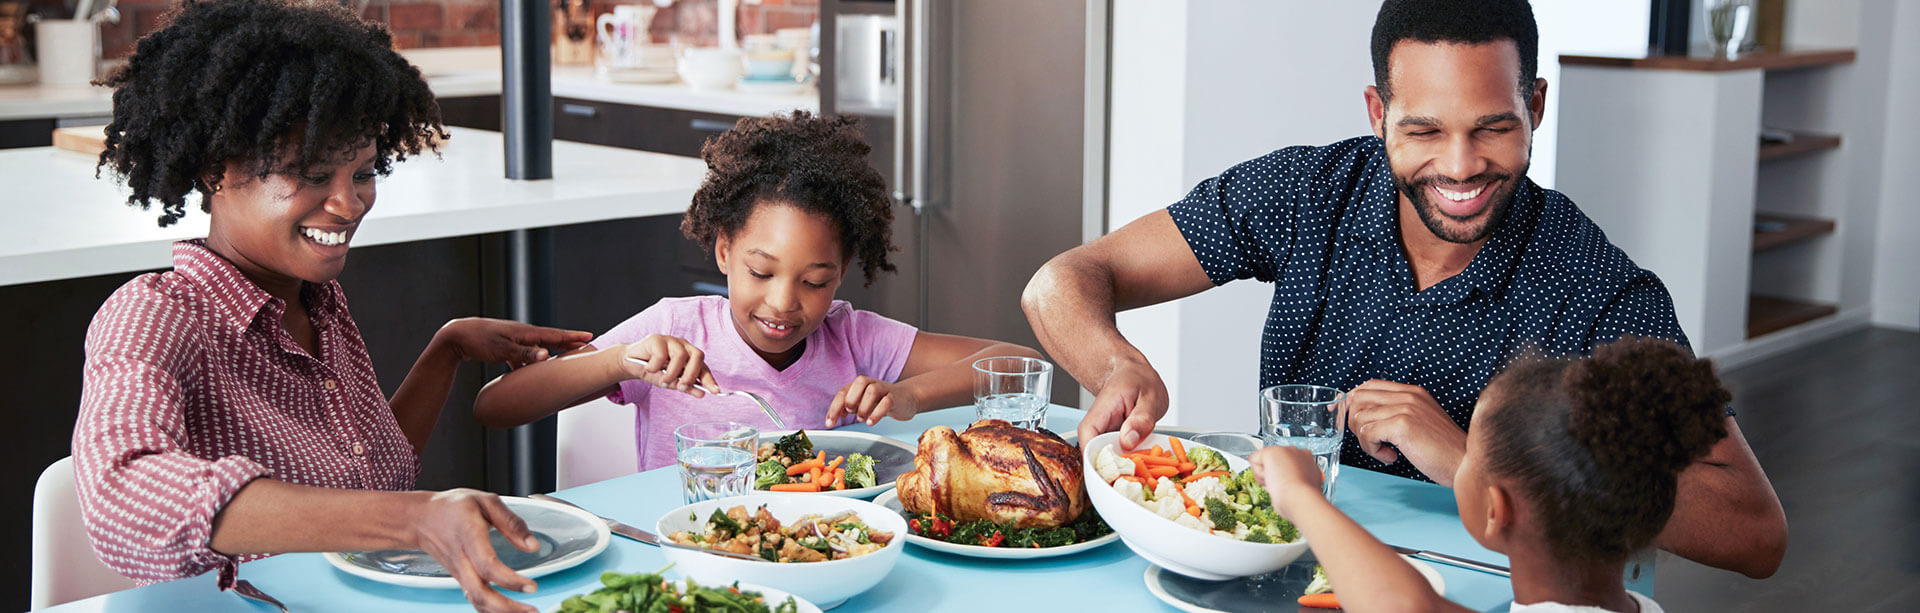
x=1108, y=579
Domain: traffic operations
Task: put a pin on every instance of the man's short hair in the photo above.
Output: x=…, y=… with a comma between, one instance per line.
x=1456, y=21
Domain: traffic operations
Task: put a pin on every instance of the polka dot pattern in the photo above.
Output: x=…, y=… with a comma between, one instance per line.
x=193, y=388
x=1319, y=224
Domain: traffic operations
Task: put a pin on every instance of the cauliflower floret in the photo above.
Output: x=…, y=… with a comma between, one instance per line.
x=1166, y=488
x=1110, y=466
x=1131, y=490
x=1170, y=508
x=1209, y=487
x=1193, y=522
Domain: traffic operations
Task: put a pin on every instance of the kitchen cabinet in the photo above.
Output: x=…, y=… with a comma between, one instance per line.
x=37, y=132
x=644, y=128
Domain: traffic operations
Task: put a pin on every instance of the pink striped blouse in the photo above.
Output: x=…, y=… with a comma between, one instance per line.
x=193, y=388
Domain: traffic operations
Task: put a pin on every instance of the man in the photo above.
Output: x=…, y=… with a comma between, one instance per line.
x=1408, y=267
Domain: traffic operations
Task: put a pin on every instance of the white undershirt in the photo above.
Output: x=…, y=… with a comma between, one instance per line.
x=1647, y=605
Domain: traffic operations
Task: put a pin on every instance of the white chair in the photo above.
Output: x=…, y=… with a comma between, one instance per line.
x=594, y=442
x=64, y=567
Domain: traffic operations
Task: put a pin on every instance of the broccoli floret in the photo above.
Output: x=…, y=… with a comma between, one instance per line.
x=1256, y=495
x=1206, y=460
x=1223, y=516
x=796, y=447
x=859, y=471
x=1320, y=584
x=1258, y=535
x=769, y=473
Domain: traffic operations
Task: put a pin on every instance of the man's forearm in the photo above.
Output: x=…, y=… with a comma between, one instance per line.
x=1070, y=304
x=1726, y=514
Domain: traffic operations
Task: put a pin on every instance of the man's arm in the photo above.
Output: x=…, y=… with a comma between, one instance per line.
x=1071, y=304
x=1725, y=513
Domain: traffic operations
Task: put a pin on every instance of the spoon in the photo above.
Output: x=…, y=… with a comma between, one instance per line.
x=767, y=408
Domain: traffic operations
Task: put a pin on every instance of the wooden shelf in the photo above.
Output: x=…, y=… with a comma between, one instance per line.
x=1796, y=229
x=1803, y=143
x=1767, y=314
x=1766, y=60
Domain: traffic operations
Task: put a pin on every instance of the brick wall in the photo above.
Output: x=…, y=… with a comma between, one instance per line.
x=463, y=23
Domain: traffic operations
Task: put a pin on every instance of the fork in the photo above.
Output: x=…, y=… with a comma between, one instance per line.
x=764, y=407
x=247, y=590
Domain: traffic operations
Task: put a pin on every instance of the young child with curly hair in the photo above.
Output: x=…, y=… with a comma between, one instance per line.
x=788, y=206
x=1570, y=468
x=229, y=407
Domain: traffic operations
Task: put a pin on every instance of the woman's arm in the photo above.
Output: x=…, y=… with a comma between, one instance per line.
x=417, y=403
x=538, y=390
x=938, y=374
x=1367, y=575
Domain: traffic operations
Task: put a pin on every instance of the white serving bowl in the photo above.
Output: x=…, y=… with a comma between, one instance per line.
x=707, y=68
x=826, y=584
x=1172, y=546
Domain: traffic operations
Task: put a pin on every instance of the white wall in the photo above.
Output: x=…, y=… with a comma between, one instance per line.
x=1581, y=27
x=1896, y=274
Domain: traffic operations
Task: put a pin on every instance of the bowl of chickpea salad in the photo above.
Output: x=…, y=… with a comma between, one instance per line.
x=825, y=549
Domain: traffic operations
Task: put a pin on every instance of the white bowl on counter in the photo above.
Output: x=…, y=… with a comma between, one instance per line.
x=826, y=584
x=1172, y=546
x=710, y=68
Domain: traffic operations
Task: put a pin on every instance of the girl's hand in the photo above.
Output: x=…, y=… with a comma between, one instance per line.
x=452, y=527
x=672, y=363
x=498, y=340
x=870, y=399
x=1289, y=473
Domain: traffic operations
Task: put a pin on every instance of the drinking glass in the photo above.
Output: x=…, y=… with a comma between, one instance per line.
x=1308, y=417
x=1729, y=25
x=1014, y=389
x=716, y=458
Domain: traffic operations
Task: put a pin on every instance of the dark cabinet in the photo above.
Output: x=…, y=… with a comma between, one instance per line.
x=16, y=133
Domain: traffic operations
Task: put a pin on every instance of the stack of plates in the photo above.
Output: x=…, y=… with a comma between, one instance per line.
x=776, y=85
x=637, y=74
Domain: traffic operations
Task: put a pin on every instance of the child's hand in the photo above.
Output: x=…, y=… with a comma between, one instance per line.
x=499, y=340
x=870, y=399
x=672, y=363
x=1288, y=472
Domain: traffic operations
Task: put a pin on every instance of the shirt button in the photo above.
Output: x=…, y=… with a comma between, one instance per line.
x=359, y=449
x=329, y=384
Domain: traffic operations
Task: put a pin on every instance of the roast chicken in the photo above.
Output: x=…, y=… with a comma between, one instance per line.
x=998, y=472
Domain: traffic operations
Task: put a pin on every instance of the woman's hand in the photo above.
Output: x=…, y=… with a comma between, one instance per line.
x=498, y=340
x=1288, y=472
x=672, y=363
x=870, y=399
x=452, y=527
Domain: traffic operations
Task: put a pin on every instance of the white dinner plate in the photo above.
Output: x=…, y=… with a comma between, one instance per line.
x=1276, y=591
x=891, y=458
x=567, y=535
x=891, y=500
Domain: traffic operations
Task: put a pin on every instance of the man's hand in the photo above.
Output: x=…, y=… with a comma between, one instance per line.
x=498, y=340
x=870, y=399
x=452, y=527
x=1382, y=413
x=1132, y=397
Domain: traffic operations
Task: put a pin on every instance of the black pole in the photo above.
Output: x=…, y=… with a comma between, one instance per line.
x=529, y=291
x=1669, y=28
x=526, y=93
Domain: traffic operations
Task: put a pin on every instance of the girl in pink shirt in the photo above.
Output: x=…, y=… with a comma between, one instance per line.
x=788, y=206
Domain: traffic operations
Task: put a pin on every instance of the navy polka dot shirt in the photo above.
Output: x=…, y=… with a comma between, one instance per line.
x=1319, y=224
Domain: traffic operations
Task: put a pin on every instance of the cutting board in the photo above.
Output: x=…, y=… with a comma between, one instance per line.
x=90, y=140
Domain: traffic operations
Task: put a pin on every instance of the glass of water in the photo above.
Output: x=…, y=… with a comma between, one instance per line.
x=1729, y=25
x=716, y=458
x=1308, y=417
x=1013, y=389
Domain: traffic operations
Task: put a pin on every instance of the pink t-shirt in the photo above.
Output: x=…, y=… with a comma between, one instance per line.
x=848, y=344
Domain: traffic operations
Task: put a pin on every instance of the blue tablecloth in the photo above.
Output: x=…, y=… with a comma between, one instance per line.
x=1108, y=579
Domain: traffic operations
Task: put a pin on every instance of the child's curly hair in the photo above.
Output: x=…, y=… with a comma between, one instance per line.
x=274, y=85
x=817, y=164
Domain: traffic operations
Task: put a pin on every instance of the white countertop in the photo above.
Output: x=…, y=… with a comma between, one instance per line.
x=63, y=223
x=451, y=72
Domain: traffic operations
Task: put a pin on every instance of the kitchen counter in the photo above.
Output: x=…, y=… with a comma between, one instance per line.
x=64, y=223
x=450, y=72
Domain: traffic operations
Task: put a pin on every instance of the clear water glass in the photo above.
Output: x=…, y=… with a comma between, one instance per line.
x=1308, y=417
x=716, y=459
x=1729, y=25
x=1014, y=389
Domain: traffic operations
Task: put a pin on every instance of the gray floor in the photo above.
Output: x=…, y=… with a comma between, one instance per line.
x=1837, y=428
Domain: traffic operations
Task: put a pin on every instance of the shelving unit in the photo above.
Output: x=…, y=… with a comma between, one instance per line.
x=1665, y=155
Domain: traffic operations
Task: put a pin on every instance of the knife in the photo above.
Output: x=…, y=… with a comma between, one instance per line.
x=649, y=537
x=1449, y=560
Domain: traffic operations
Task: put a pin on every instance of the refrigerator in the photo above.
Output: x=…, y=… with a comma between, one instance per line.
x=979, y=115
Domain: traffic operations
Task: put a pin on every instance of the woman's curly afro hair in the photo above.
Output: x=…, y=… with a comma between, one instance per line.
x=816, y=164
x=270, y=85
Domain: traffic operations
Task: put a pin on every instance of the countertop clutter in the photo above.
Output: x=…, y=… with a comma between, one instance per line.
x=451, y=72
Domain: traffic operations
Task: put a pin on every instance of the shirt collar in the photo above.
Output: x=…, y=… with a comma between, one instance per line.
x=237, y=298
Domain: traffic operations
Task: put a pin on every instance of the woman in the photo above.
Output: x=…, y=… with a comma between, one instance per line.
x=231, y=398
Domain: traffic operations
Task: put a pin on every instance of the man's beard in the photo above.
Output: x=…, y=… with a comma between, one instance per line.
x=1437, y=221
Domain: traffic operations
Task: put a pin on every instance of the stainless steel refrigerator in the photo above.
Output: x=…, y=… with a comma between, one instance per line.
x=979, y=117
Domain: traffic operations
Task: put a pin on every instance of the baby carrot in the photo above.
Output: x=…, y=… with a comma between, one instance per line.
x=822, y=458
x=1324, y=600
x=835, y=463
x=816, y=476
x=840, y=479
x=1178, y=450
x=1156, y=460
x=1199, y=476
x=1140, y=468
x=794, y=487
x=1163, y=471
x=803, y=467
x=1186, y=467
x=1194, y=511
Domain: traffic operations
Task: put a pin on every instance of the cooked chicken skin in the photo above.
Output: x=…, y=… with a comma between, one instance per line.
x=997, y=472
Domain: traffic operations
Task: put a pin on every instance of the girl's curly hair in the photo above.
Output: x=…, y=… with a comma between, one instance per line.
x=817, y=164
x=270, y=85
